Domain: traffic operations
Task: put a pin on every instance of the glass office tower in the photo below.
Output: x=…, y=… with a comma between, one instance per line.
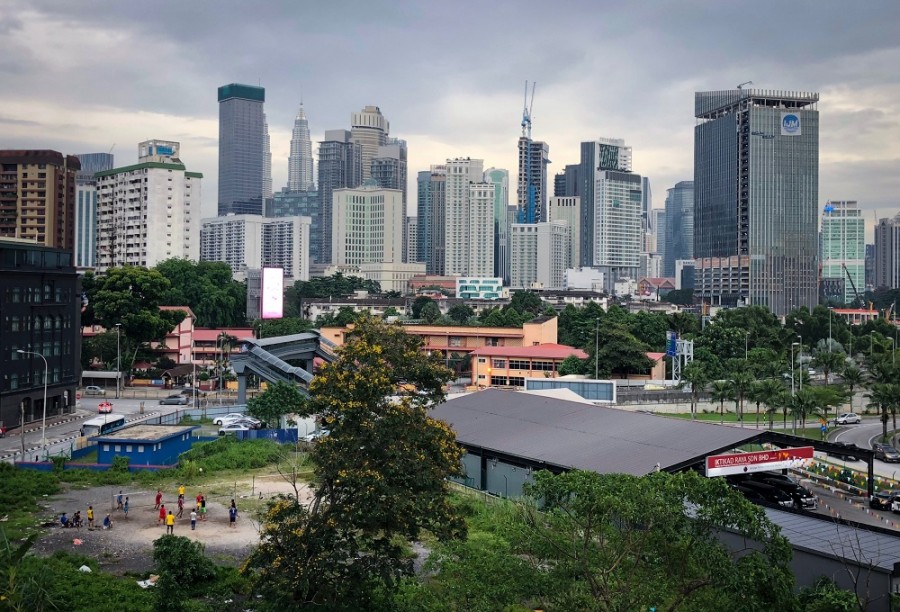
x=756, y=186
x=242, y=147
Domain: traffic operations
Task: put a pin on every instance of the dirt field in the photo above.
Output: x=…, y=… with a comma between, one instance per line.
x=128, y=546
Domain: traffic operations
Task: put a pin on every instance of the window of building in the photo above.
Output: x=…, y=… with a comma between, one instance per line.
x=455, y=341
x=117, y=448
x=516, y=381
x=140, y=448
x=519, y=364
x=106, y=448
x=498, y=363
x=128, y=448
x=482, y=360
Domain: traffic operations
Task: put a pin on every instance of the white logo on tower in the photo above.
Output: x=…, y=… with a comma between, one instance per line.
x=790, y=124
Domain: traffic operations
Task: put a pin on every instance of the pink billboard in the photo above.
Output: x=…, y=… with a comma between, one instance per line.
x=272, y=293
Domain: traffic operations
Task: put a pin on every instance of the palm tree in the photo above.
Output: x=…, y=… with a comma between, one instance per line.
x=756, y=395
x=853, y=379
x=804, y=404
x=772, y=392
x=721, y=391
x=740, y=384
x=829, y=362
x=694, y=374
x=880, y=399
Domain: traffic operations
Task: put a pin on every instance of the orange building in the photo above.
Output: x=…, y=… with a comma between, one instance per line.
x=509, y=366
x=448, y=339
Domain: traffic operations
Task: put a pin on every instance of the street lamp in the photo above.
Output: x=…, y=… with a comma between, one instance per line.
x=596, y=351
x=794, y=414
x=118, y=357
x=44, y=419
x=829, y=328
x=800, y=360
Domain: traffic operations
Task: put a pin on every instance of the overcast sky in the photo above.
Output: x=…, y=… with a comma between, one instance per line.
x=89, y=76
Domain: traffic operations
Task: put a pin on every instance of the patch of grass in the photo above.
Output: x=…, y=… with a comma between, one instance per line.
x=19, y=493
x=227, y=453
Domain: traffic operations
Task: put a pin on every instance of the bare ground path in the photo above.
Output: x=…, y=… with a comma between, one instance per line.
x=128, y=546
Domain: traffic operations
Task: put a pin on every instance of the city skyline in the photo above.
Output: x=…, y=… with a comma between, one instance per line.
x=471, y=108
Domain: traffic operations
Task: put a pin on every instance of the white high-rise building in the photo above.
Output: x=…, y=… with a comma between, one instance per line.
x=253, y=241
x=367, y=225
x=568, y=209
x=468, y=219
x=539, y=253
x=300, y=161
x=148, y=212
x=412, y=245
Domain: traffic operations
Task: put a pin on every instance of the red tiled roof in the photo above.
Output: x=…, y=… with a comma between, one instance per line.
x=656, y=356
x=545, y=351
x=855, y=311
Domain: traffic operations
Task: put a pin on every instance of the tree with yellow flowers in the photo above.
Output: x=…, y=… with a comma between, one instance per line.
x=380, y=477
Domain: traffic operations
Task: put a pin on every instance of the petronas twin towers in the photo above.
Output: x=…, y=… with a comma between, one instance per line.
x=300, y=162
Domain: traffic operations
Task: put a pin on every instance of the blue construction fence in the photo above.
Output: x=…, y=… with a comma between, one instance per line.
x=282, y=436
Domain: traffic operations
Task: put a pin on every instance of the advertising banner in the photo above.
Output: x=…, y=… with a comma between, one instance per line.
x=762, y=461
x=790, y=124
x=272, y=293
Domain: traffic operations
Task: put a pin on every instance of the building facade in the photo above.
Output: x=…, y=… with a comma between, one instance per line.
x=242, y=148
x=340, y=167
x=300, y=161
x=679, y=226
x=533, y=161
x=412, y=243
x=597, y=158
x=468, y=288
x=40, y=310
x=367, y=225
x=86, y=206
x=887, y=253
x=432, y=198
x=389, y=170
x=568, y=209
x=148, y=212
x=369, y=129
x=300, y=204
x=539, y=255
x=843, y=246
x=509, y=366
x=566, y=183
x=469, y=219
x=37, y=197
x=249, y=242
x=499, y=178
x=756, y=181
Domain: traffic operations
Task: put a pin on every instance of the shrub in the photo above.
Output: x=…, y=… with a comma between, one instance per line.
x=182, y=568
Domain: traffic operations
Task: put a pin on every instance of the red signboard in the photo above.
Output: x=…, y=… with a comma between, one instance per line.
x=761, y=461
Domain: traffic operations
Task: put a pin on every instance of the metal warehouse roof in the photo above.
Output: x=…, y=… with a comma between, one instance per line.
x=858, y=545
x=575, y=435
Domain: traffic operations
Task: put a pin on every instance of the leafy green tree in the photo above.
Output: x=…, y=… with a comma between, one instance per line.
x=695, y=375
x=805, y=403
x=287, y=326
x=650, y=328
x=826, y=596
x=215, y=298
x=682, y=322
x=279, y=399
x=21, y=591
x=526, y=302
x=681, y=297
x=102, y=349
x=131, y=296
x=430, y=312
x=381, y=477
x=721, y=391
x=620, y=353
x=572, y=365
x=772, y=393
x=342, y=318
x=740, y=385
x=880, y=399
x=419, y=303
x=460, y=313
x=618, y=542
x=182, y=567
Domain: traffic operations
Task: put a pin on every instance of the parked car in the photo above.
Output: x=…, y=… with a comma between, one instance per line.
x=771, y=494
x=94, y=390
x=245, y=419
x=846, y=456
x=105, y=408
x=886, y=452
x=882, y=500
x=248, y=423
x=314, y=435
x=234, y=416
x=848, y=418
x=178, y=400
x=803, y=497
x=233, y=428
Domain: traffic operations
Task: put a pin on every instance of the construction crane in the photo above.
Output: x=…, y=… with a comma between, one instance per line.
x=527, y=214
x=852, y=284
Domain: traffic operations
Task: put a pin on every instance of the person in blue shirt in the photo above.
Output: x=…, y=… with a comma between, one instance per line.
x=64, y=520
x=107, y=523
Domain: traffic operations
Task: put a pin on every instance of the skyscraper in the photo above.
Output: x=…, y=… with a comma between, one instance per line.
x=86, y=206
x=679, y=229
x=533, y=167
x=37, y=197
x=659, y=232
x=844, y=246
x=242, y=149
x=611, y=210
x=340, y=167
x=469, y=219
x=432, y=191
x=300, y=161
x=568, y=209
x=499, y=178
x=148, y=212
x=300, y=204
x=539, y=254
x=389, y=168
x=267, y=161
x=369, y=129
x=756, y=186
x=887, y=253
x=368, y=225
